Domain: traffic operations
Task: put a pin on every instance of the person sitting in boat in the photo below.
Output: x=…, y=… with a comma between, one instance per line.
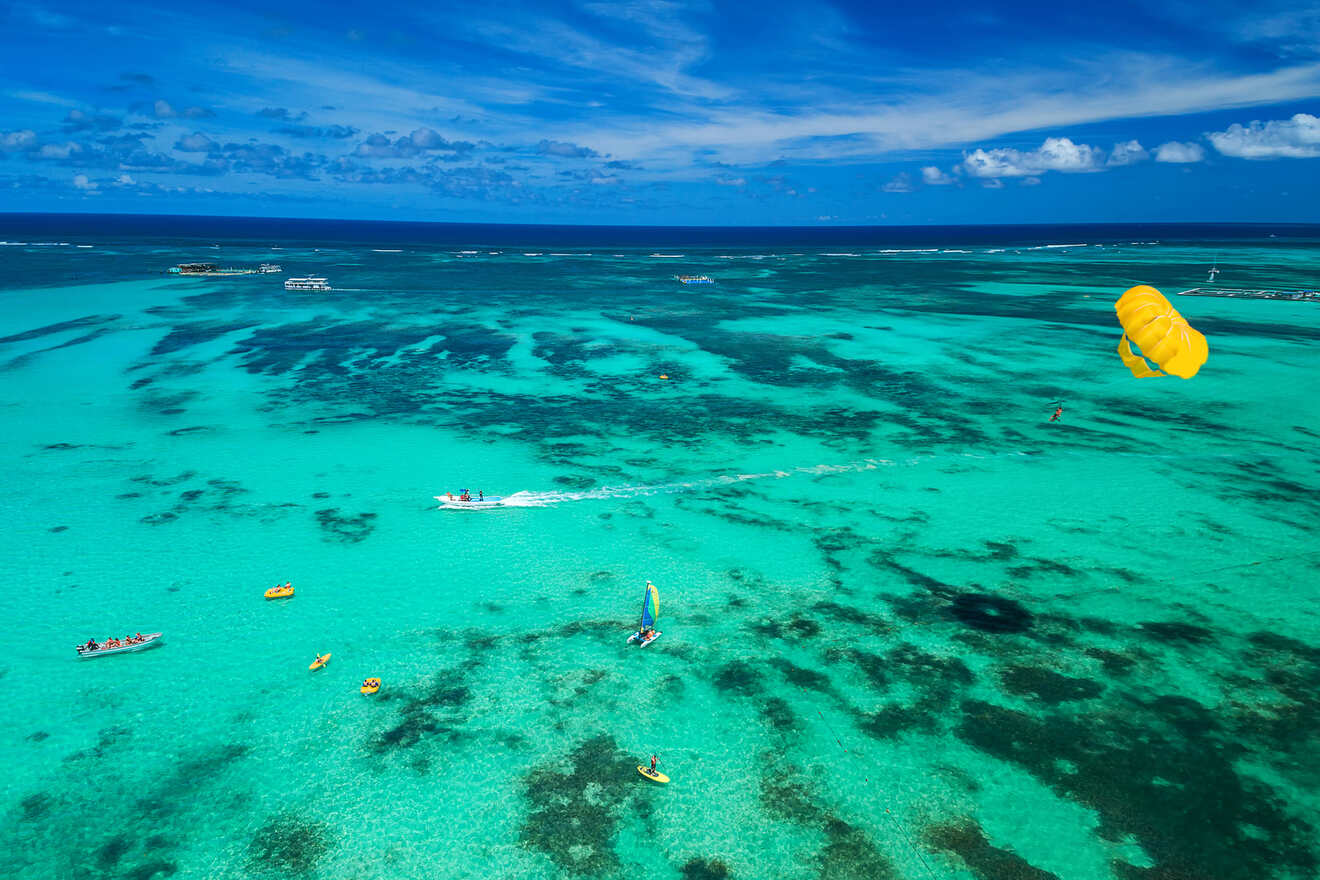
x=481, y=496
x=92, y=645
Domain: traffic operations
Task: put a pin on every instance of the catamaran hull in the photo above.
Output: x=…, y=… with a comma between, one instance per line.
x=637, y=637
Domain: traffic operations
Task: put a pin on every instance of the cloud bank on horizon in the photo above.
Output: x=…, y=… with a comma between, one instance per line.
x=658, y=112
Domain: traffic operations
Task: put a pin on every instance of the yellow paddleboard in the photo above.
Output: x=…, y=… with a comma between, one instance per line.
x=653, y=775
x=319, y=662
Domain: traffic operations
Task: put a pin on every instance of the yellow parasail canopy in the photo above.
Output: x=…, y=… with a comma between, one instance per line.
x=1161, y=333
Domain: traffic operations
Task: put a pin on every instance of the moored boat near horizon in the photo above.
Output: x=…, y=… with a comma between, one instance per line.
x=308, y=283
x=121, y=646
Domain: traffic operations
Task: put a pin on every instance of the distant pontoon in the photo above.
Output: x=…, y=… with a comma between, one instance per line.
x=1263, y=293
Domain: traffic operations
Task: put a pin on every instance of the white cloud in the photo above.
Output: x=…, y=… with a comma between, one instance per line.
x=902, y=183
x=81, y=182
x=932, y=176
x=1296, y=138
x=58, y=151
x=195, y=143
x=23, y=139
x=993, y=183
x=125, y=180
x=164, y=110
x=1031, y=181
x=1176, y=151
x=1055, y=154
x=1127, y=153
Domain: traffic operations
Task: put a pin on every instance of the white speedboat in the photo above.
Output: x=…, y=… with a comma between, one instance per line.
x=454, y=501
x=150, y=640
x=308, y=283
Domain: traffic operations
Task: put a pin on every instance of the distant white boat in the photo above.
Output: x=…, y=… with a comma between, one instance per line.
x=308, y=283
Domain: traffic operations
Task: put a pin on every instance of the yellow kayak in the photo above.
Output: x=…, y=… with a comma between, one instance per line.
x=653, y=775
x=370, y=686
x=279, y=592
x=321, y=660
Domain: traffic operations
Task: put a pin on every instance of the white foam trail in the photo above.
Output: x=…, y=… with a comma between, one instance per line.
x=545, y=499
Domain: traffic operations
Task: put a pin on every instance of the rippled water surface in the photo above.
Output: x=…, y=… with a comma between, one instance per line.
x=911, y=629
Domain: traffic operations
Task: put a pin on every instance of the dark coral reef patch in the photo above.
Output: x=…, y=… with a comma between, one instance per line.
x=289, y=844
x=573, y=816
x=344, y=529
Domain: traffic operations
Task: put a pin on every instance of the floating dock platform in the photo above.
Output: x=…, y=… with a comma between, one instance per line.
x=695, y=279
x=1264, y=293
x=211, y=270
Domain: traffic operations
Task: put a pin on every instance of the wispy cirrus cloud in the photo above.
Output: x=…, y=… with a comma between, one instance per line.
x=661, y=47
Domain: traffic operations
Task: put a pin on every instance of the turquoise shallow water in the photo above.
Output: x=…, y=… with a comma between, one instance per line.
x=910, y=628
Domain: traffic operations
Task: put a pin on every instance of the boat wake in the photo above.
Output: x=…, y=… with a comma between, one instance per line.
x=546, y=499
x=529, y=498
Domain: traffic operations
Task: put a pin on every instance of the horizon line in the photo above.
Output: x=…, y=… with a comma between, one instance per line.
x=4, y=215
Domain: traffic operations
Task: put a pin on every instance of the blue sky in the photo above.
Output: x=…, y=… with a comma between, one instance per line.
x=665, y=112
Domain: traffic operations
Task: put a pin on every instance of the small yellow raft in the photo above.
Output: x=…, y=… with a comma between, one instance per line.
x=283, y=592
x=370, y=686
x=321, y=660
x=653, y=775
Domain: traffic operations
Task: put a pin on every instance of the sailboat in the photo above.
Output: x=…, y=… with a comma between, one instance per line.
x=647, y=633
x=1214, y=270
